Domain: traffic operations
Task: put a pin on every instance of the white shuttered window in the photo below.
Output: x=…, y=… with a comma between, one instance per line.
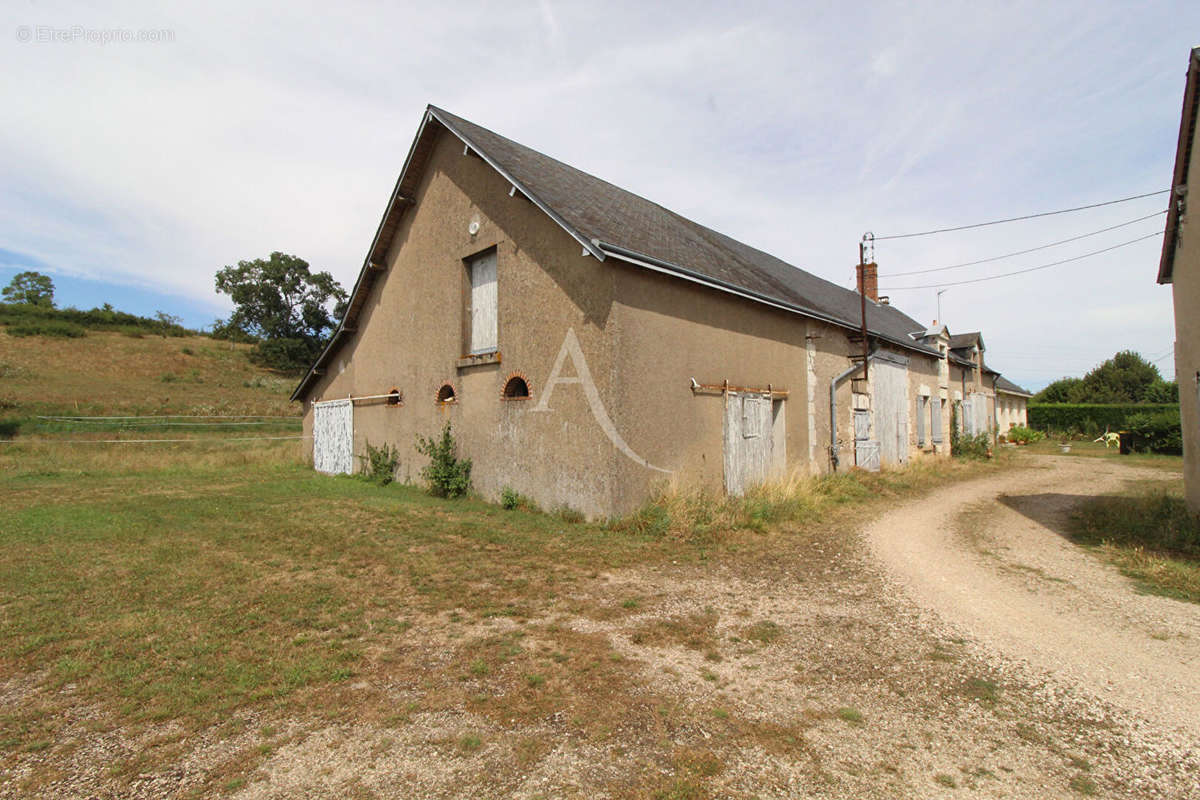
x=922, y=403
x=483, y=302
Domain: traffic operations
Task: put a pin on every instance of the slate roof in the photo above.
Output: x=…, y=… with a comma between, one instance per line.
x=611, y=222
x=960, y=340
x=1005, y=385
x=619, y=223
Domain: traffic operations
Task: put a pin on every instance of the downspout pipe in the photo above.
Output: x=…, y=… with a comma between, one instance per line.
x=833, y=387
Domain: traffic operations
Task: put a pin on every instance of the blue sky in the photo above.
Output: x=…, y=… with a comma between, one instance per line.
x=136, y=169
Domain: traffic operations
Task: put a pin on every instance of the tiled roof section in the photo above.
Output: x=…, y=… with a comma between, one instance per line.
x=604, y=214
x=961, y=340
x=1003, y=384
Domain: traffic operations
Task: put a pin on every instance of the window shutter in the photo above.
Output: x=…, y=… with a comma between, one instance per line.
x=483, y=303
x=921, y=402
x=935, y=418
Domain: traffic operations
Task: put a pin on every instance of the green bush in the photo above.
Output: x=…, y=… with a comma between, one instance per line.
x=285, y=355
x=512, y=500
x=1087, y=418
x=49, y=327
x=1158, y=432
x=448, y=475
x=21, y=315
x=955, y=434
x=9, y=428
x=977, y=446
x=380, y=463
x=1022, y=435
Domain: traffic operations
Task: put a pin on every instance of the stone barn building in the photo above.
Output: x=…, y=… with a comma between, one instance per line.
x=588, y=345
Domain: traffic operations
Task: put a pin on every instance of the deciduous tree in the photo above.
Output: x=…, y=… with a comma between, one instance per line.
x=30, y=288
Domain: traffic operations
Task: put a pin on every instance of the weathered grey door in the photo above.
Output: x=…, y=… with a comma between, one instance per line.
x=749, y=438
x=866, y=452
x=333, y=437
x=979, y=413
x=889, y=403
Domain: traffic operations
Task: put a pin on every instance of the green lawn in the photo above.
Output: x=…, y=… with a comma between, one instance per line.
x=1086, y=448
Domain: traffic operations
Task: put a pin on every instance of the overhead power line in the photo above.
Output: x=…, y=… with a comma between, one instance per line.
x=1018, y=219
x=1024, y=252
x=1168, y=355
x=1029, y=269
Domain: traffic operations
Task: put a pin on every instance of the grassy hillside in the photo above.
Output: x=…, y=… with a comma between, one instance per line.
x=110, y=373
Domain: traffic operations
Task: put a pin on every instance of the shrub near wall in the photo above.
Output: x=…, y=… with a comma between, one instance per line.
x=1089, y=418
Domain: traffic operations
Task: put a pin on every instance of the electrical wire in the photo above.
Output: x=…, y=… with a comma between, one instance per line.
x=1168, y=355
x=1023, y=252
x=1023, y=271
x=1017, y=219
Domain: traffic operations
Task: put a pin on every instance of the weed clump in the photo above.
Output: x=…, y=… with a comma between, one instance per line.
x=447, y=474
x=379, y=464
x=512, y=500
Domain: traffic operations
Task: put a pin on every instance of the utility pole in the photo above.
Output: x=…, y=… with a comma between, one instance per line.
x=862, y=298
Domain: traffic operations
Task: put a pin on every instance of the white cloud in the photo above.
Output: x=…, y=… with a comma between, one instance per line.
x=792, y=128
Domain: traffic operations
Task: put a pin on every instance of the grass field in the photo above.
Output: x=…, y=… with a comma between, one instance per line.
x=1088, y=449
x=108, y=373
x=190, y=584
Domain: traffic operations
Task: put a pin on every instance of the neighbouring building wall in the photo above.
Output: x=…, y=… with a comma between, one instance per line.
x=926, y=393
x=1186, y=289
x=1186, y=293
x=1011, y=410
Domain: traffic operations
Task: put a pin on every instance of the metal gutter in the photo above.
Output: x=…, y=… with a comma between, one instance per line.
x=667, y=268
x=834, y=450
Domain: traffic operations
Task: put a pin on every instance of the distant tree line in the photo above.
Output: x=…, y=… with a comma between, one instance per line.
x=29, y=310
x=281, y=306
x=1124, y=378
x=1125, y=393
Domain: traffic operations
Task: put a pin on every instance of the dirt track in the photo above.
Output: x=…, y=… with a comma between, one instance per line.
x=989, y=558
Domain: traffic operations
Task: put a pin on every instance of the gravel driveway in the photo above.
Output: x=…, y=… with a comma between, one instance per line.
x=989, y=558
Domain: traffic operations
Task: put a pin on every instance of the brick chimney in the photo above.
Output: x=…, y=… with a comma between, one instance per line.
x=868, y=281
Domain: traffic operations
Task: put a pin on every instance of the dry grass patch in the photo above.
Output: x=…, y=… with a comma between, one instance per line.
x=695, y=631
x=1149, y=534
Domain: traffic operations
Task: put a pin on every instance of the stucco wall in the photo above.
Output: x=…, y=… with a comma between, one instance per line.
x=670, y=331
x=1186, y=291
x=411, y=334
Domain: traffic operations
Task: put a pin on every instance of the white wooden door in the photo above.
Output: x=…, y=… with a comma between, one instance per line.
x=333, y=437
x=483, y=303
x=749, y=439
x=979, y=413
x=889, y=404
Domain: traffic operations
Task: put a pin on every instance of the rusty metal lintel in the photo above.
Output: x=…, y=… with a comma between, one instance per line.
x=726, y=387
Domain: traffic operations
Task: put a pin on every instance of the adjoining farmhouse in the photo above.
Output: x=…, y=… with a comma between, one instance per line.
x=588, y=345
x=1180, y=267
